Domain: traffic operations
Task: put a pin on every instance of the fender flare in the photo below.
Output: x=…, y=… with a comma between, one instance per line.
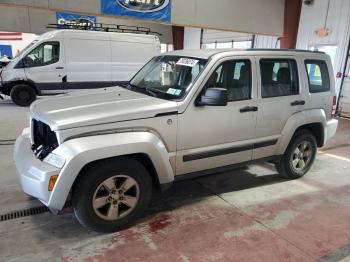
x=297, y=120
x=82, y=151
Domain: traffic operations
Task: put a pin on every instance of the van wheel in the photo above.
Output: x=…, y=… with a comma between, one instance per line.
x=23, y=95
x=299, y=156
x=111, y=195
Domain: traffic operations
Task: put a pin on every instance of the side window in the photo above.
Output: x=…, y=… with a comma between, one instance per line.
x=279, y=77
x=235, y=76
x=44, y=54
x=318, y=76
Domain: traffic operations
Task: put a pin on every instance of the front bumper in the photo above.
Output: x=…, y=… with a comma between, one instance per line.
x=33, y=174
x=5, y=87
x=330, y=130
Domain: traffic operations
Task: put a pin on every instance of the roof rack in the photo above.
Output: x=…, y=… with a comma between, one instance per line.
x=284, y=49
x=82, y=24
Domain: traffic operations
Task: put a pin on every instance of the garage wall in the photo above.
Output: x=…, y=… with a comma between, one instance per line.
x=264, y=17
x=338, y=21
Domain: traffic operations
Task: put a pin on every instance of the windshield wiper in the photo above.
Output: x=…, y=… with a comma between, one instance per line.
x=151, y=91
x=145, y=90
x=126, y=85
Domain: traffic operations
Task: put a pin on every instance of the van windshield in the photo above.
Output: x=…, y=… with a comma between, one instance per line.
x=26, y=48
x=168, y=77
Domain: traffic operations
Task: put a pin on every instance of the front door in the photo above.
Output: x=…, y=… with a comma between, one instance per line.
x=44, y=66
x=211, y=137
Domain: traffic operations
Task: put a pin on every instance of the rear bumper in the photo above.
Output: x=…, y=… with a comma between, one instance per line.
x=330, y=130
x=33, y=174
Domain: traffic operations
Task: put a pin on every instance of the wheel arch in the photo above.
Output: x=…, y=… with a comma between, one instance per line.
x=25, y=82
x=143, y=158
x=313, y=120
x=81, y=153
x=316, y=129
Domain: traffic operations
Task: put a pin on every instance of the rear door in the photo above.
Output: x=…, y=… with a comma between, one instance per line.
x=279, y=97
x=45, y=66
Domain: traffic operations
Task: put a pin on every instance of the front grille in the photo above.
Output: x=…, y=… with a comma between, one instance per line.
x=44, y=139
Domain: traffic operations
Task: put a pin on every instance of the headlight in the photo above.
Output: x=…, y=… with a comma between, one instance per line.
x=55, y=160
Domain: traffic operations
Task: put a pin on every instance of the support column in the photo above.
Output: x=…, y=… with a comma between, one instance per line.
x=292, y=10
x=178, y=37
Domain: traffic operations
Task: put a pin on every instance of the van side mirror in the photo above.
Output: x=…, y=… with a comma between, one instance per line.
x=26, y=61
x=214, y=96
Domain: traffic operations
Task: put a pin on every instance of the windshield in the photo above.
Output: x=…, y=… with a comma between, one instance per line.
x=26, y=48
x=168, y=77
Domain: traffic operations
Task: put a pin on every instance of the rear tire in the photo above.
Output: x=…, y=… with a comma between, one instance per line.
x=23, y=95
x=299, y=156
x=101, y=200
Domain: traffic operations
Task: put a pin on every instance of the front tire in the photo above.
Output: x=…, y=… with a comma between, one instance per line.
x=112, y=194
x=23, y=95
x=299, y=156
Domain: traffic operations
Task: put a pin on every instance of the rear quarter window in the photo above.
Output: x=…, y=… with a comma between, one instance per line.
x=318, y=76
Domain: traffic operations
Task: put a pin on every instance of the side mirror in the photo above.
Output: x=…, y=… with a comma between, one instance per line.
x=26, y=61
x=214, y=96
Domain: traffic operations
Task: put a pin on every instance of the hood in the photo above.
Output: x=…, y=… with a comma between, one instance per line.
x=100, y=106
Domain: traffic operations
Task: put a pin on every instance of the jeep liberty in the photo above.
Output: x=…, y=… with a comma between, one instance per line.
x=184, y=114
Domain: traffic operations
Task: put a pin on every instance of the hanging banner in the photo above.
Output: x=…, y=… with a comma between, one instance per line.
x=75, y=19
x=158, y=10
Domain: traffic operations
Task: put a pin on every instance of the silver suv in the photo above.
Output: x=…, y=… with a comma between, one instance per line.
x=184, y=114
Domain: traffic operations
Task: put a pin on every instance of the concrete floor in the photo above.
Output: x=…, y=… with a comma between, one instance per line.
x=245, y=215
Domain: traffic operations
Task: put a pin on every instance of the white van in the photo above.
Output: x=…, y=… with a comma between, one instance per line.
x=63, y=60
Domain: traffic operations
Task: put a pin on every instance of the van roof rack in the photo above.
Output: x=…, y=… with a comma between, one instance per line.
x=82, y=24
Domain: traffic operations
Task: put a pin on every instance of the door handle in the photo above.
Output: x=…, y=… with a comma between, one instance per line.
x=59, y=67
x=298, y=103
x=248, y=109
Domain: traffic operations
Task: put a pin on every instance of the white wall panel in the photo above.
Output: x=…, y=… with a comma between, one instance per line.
x=212, y=36
x=192, y=38
x=313, y=18
x=263, y=41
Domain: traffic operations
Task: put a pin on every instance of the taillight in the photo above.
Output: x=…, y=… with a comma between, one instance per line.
x=334, y=107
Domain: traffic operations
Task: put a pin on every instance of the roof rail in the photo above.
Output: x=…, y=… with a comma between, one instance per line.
x=83, y=24
x=284, y=49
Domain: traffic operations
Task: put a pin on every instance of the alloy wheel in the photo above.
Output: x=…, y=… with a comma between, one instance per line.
x=116, y=197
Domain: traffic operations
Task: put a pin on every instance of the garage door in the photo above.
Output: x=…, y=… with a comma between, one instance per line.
x=344, y=102
x=225, y=39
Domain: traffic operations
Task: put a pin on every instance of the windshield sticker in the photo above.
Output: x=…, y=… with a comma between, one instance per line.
x=174, y=92
x=178, y=92
x=187, y=62
x=171, y=91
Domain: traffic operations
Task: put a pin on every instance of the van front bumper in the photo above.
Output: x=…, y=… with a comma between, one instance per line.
x=33, y=174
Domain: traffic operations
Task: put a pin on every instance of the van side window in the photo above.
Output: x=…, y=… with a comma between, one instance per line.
x=235, y=76
x=279, y=77
x=318, y=76
x=44, y=54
